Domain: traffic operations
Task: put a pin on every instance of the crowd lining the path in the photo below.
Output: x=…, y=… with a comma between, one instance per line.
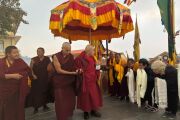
x=152, y=86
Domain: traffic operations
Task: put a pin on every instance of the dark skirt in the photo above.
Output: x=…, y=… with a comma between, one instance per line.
x=41, y=93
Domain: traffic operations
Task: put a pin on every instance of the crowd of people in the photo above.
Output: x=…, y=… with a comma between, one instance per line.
x=149, y=85
x=73, y=82
x=45, y=81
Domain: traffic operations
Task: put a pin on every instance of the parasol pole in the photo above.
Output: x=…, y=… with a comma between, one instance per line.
x=107, y=49
x=90, y=36
x=107, y=54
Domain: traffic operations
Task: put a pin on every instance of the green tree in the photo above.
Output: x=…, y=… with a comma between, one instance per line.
x=11, y=15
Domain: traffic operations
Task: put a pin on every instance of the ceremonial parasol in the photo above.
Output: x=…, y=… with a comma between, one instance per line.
x=90, y=20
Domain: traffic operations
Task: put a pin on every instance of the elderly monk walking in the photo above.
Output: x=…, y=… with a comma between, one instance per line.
x=90, y=99
x=14, y=79
x=39, y=95
x=64, y=83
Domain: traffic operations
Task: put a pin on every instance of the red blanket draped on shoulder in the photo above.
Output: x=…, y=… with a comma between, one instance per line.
x=13, y=92
x=90, y=97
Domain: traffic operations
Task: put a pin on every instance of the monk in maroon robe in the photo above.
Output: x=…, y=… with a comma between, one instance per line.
x=111, y=73
x=124, y=86
x=90, y=99
x=39, y=95
x=64, y=83
x=14, y=79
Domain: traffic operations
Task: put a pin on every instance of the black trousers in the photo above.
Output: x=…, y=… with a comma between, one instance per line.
x=172, y=101
x=148, y=94
x=172, y=95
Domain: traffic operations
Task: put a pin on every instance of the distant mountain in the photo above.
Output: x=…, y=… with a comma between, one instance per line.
x=26, y=59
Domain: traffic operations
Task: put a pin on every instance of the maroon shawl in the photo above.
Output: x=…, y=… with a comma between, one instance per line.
x=81, y=62
x=67, y=63
x=19, y=66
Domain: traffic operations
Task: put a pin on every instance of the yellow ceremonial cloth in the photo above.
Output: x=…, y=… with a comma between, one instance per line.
x=120, y=70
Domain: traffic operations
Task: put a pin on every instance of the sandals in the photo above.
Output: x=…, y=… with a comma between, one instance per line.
x=151, y=109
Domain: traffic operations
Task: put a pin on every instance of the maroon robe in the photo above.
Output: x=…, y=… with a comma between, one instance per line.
x=39, y=94
x=64, y=88
x=13, y=92
x=110, y=87
x=90, y=97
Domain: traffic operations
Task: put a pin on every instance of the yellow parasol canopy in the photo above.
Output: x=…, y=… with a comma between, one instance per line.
x=90, y=20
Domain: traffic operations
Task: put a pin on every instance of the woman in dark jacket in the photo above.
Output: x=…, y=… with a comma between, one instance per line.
x=169, y=73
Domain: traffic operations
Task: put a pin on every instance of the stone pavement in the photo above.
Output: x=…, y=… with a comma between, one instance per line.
x=113, y=110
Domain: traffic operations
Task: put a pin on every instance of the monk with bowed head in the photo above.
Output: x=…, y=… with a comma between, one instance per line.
x=14, y=81
x=64, y=82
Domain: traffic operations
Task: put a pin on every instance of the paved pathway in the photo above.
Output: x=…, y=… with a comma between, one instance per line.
x=113, y=110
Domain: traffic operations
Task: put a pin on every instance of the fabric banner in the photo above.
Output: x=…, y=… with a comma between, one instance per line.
x=137, y=42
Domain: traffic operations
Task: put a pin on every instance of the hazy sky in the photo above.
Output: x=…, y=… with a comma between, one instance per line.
x=37, y=34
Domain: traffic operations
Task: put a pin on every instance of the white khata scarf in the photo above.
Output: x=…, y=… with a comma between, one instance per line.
x=141, y=85
x=161, y=93
x=131, y=85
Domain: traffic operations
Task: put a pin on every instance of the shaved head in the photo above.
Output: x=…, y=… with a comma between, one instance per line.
x=66, y=48
x=66, y=45
x=89, y=50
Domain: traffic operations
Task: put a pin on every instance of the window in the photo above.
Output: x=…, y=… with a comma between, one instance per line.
x=1, y=46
